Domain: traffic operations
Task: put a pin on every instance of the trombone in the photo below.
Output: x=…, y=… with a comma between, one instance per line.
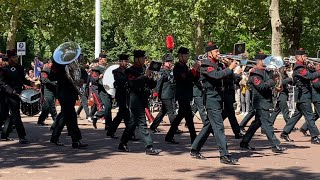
x=242, y=59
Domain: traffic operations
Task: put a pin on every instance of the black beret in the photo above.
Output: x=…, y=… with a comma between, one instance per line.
x=102, y=55
x=300, y=52
x=211, y=47
x=123, y=57
x=260, y=56
x=183, y=50
x=11, y=53
x=46, y=70
x=167, y=58
x=139, y=53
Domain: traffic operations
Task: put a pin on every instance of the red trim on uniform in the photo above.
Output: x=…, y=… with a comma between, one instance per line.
x=94, y=74
x=299, y=62
x=44, y=75
x=131, y=77
x=256, y=81
x=315, y=80
x=149, y=115
x=210, y=68
x=212, y=60
x=96, y=99
x=303, y=72
x=195, y=73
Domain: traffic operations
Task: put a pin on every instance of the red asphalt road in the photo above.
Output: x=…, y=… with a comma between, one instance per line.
x=101, y=160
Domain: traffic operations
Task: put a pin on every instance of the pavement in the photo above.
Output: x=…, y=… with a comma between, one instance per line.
x=101, y=159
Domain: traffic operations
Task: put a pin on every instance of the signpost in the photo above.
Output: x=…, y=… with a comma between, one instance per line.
x=21, y=50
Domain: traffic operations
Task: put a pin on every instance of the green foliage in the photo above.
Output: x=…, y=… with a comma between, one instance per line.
x=144, y=24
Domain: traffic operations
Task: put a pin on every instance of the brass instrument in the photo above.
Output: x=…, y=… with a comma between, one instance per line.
x=275, y=64
x=67, y=54
x=241, y=58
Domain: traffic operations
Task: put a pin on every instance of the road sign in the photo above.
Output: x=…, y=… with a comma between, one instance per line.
x=21, y=48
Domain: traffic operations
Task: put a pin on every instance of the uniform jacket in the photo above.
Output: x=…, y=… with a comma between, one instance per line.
x=139, y=86
x=166, y=85
x=184, y=78
x=302, y=80
x=261, y=89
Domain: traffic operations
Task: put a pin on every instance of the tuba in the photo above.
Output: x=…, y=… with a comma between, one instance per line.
x=275, y=64
x=67, y=54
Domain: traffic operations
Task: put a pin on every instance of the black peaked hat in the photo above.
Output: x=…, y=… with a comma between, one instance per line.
x=210, y=46
x=167, y=58
x=123, y=57
x=183, y=50
x=300, y=51
x=139, y=53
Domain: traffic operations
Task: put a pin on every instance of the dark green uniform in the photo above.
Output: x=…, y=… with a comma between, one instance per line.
x=49, y=91
x=228, y=101
x=303, y=98
x=106, y=101
x=198, y=100
x=262, y=102
x=282, y=105
x=67, y=96
x=4, y=110
x=120, y=84
x=13, y=78
x=166, y=90
x=212, y=76
x=139, y=86
x=184, y=78
x=315, y=100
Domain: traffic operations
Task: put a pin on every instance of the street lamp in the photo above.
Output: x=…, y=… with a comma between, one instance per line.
x=98, y=29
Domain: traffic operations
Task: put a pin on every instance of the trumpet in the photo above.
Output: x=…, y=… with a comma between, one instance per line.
x=242, y=59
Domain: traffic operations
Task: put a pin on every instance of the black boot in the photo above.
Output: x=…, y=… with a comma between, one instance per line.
x=78, y=145
x=123, y=147
x=228, y=160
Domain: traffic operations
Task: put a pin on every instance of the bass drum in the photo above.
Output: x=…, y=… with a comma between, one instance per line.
x=108, y=80
x=30, y=102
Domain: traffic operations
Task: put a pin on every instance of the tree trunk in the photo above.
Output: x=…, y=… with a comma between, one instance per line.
x=199, y=47
x=276, y=28
x=12, y=34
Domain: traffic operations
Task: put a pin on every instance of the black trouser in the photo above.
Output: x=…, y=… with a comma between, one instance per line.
x=106, y=110
x=228, y=112
x=4, y=110
x=198, y=106
x=262, y=120
x=304, y=109
x=184, y=112
x=123, y=114
x=281, y=106
x=93, y=110
x=49, y=106
x=167, y=107
x=246, y=119
x=316, y=116
x=68, y=117
x=13, y=103
x=83, y=105
x=213, y=122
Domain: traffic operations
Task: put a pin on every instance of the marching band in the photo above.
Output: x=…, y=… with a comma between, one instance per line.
x=208, y=86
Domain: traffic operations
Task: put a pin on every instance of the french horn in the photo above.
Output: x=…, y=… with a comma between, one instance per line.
x=67, y=54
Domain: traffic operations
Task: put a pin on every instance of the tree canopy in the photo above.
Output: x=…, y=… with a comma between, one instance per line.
x=144, y=24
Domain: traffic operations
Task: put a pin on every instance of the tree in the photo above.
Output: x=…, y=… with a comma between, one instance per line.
x=276, y=28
